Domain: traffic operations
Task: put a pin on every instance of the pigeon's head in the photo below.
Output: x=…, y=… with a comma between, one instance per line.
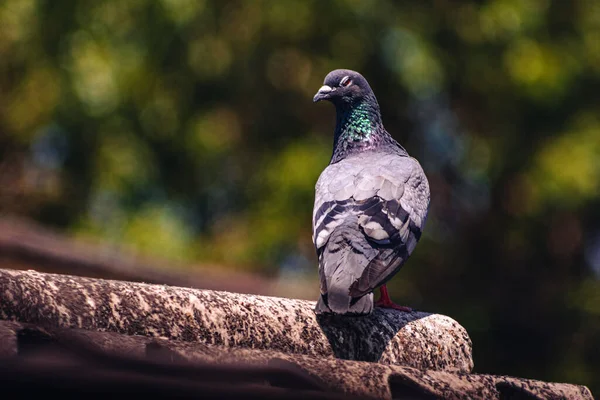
x=344, y=86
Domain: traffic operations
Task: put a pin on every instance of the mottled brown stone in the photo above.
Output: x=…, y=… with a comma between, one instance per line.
x=417, y=339
x=356, y=378
x=8, y=338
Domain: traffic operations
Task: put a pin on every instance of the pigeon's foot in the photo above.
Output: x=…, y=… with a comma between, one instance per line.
x=393, y=306
x=385, y=301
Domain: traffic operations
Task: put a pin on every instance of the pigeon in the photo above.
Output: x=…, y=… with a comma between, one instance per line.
x=371, y=202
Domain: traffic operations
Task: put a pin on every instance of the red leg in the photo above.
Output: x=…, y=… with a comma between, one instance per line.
x=385, y=301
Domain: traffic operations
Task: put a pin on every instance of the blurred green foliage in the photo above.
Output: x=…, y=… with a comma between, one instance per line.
x=185, y=129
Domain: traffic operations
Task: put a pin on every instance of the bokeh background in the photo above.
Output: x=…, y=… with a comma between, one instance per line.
x=185, y=130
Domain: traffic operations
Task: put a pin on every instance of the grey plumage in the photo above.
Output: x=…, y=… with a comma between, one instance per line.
x=371, y=202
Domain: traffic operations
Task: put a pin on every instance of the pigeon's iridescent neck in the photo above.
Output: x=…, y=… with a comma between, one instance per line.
x=358, y=123
x=358, y=128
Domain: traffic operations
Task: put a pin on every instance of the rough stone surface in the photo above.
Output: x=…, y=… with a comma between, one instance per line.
x=417, y=339
x=351, y=378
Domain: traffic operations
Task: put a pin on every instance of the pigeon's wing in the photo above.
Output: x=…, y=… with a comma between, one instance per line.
x=394, y=218
x=333, y=200
x=389, y=195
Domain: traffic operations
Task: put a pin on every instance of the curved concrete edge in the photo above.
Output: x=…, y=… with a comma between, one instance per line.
x=417, y=339
x=349, y=378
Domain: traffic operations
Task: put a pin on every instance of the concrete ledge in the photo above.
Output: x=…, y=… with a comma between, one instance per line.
x=303, y=375
x=419, y=340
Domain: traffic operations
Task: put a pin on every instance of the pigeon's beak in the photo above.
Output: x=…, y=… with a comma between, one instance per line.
x=323, y=93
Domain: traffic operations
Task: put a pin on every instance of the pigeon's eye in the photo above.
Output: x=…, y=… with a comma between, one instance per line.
x=345, y=82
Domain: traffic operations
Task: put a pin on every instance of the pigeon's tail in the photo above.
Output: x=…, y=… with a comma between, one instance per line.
x=342, y=263
x=359, y=306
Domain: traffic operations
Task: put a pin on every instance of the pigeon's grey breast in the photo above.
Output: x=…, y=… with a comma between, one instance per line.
x=386, y=199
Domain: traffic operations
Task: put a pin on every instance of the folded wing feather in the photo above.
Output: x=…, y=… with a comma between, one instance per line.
x=386, y=200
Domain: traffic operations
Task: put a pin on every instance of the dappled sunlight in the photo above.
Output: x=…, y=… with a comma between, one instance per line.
x=185, y=130
x=567, y=167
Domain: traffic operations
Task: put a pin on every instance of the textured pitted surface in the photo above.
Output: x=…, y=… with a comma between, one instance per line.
x=417, y=339
x=363, y=379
